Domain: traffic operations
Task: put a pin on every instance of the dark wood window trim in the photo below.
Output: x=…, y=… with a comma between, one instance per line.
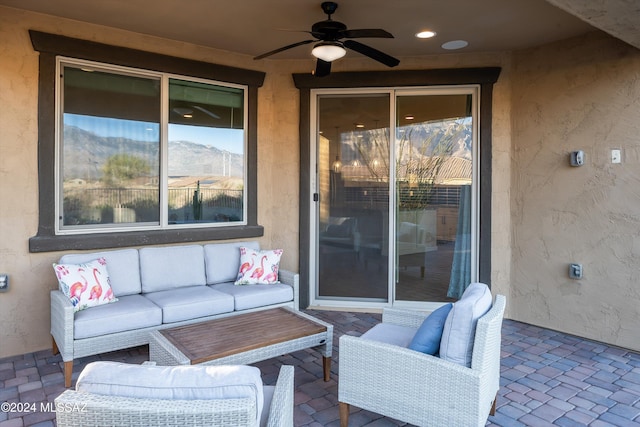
x=485, y=77
x=50, y=46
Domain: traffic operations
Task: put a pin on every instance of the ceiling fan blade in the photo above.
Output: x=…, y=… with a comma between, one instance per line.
x=366, y=32
x=372, y=53
x=264, y=55
x=323, y=68
x=207, y=112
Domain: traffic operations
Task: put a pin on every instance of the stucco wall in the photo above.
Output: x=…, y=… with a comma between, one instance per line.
x=580, y=94
x=24, y=310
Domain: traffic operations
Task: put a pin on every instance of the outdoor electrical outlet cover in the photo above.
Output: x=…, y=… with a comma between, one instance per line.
x=576, y=158
x=575, y=271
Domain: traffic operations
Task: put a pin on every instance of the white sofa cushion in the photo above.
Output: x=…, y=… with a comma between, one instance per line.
x=391, y=334
x=130, y=312
x=460, y=327
x=122, y=265
x=251, y=296
x=222, y=260
x=190, y=303
x=171, y=267
x=173, y=382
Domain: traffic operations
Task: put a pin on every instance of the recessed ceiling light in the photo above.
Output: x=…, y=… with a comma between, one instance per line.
x=425, y=34
x=359, y=125
x=409, y=117
x=455, y=44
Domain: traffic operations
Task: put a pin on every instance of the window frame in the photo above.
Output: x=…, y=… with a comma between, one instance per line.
x=164, y=80
x=50, y=47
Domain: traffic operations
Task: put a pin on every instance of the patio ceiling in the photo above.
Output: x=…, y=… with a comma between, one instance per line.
x=253, y=27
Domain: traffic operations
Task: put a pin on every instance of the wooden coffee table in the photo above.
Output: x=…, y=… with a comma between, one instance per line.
x=242, y=339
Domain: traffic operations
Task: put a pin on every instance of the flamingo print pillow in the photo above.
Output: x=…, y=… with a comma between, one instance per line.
x=258, y=267
x=86, y=285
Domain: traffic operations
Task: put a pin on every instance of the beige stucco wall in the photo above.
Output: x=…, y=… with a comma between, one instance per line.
x=580, y=94
x=24, y=310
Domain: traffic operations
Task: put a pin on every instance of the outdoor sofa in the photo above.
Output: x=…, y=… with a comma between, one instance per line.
x=157, y=288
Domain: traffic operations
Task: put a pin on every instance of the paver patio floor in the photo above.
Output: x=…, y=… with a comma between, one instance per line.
x=547, y=379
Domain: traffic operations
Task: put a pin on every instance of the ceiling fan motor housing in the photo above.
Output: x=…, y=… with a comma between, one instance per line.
x=328, y=30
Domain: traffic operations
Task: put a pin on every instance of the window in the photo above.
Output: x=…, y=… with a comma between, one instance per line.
x=138, y=148
x=111, y=131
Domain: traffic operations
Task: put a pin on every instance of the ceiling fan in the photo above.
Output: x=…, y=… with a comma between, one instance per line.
x=330, y=46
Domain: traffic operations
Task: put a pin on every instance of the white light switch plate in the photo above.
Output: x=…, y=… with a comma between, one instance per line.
x=616, y=156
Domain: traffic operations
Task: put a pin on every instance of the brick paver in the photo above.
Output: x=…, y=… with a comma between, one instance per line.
x=547, y=379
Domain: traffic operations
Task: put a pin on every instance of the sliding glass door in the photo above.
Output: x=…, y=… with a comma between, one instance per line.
x=353, y=206
x=433, y=180
x=393, y=217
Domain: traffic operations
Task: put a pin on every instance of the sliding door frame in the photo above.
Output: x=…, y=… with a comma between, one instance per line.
x=484, y=77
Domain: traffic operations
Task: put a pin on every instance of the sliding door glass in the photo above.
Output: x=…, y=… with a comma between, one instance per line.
x=394, y=212
x=353, y=167
x=433, y=178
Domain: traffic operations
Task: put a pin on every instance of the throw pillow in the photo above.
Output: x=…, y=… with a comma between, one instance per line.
x=86, y=285
x=460, y=327
x=258, y=267
x=427, y=338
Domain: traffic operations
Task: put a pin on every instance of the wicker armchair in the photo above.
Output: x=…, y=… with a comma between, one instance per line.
x=418, y=388
x=83, y=409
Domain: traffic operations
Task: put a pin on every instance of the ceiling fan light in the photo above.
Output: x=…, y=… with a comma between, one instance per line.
x=328, y=51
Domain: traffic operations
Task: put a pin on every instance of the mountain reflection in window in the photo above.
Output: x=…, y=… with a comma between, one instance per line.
x=125, y=161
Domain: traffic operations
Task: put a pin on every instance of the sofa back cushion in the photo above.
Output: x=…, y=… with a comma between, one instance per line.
x=123, y=267
x=460, y=327
x=173, y=382
x=171, y=267
x=222, y=260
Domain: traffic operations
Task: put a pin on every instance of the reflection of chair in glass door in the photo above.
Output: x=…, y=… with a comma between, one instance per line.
x=338, y=240
x=371, y=237
x=416, y=236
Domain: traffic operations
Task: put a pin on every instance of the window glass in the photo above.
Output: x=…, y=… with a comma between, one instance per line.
x=112, y=169
x=110, y=149
x=206, y=153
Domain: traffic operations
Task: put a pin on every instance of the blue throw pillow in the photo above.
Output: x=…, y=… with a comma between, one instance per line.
x=427, y=339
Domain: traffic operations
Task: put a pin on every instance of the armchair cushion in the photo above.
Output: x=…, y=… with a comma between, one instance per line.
x=173, y=382
x=427, y=339
x=391, y=334
x=460, y=327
